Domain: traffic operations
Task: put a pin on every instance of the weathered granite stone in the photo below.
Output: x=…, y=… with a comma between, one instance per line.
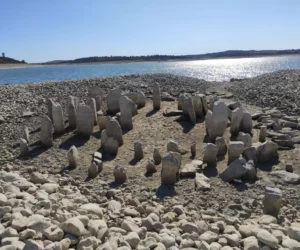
x=85, y=120
x=113, y=129
x=104, y=138
x=245, y=138
x=96, y=91
x=58, y=118
x=197, y=101
x=235, y=170
x=212, y=101
x=246, y=124
x=26, y=134
x=235, y=148
x=98, y=100
x=73, y=157
x=151, y=168
x=202, y=182
x=272, y=201
x=250, y=154
x=236, y=121
x=156, y=97
x=138, y=151
x=267, y=151
x=73, y=103
x=24, y=149
x=221, y=145
x=49, y=108
x=170, y=169
x=173, y=146
x=210, y=154
x=126, y=112
x=156, y=157
x=141, y=99
x=93, y=170
x=204, y=103
x=180, y=102
x=193, y=149
x=92, y=104
x=120, y=174
x=113, y=97
x=262, y=133
x=46, y=136
x=111, y=146
x=102, y=119
x=188, y=107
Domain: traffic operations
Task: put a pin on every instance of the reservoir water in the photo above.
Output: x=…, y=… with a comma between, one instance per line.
x=210, y=70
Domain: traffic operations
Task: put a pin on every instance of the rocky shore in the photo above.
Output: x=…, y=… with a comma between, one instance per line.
x=185, y=164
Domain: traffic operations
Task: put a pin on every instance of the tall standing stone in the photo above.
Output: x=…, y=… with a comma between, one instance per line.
x=156, y=157
x=181, y=100
x=26, y=134
x=126, y=112
x=98, y=100
x=245, y=138
x=262, y=133
x=197, y=101
x=113, y=97
x=272, y=201
x=235, y=149
x=170, y=169
x=58, y=118
x=85, y=120
x=113, y=129
x=141, y=99
x=73, y=157
x=246, y=124
x=72, y=106
x=188, y=108
x=236, y=120
x=210, y=154
x=92, y=104
x=204, y=103
x=216, y=122
x=46, y=136
x=24, y=149
x=222, y=147
x=212, y=101
x=138, y=151
x=49, y=108
x=193, y=149
x=156, y=97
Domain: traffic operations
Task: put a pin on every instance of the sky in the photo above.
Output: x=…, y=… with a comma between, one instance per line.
x=45, y=30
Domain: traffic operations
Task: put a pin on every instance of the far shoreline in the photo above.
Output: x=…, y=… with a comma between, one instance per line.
x=33, y=65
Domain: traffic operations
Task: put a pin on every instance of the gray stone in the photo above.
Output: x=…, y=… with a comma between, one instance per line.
x=113, y=97
x=245, y=138
x=113, y=129
x=54, y=233
x=73, y=157
x=197, y=101
x=236, y=121
x=272, y=201
x=188, y=107
x=173, y=146
x=24, y=149
x=246, y=124
x=193, y=149
x=204, y=103
x=267, y=238
x=126, y=112
x=235, y=170
x=33, y=245
x=210, y=154
x=291, y=244
x=156, y=97
x=120, y=174
x=294, y=232
x=202, y=182
x=73, y=226
x=170, y=169
x=250, y=154
x=221, y=145
x=26, y=134
x=251, y=243
x=104, y=138
x=287, y=177
x=96, y=91
x=235, y=148
x=267, y=151
x=49, y=108
x=111, y=146
x=85, y=120
x=102, y=119
x=58, y=118
x=46, y=136
x=93, y=170
x=73, y=103
x=141, y=99
x=180, y=101
x=156, y=157
x=151, y=168
x=138, y=151
x=92, y=104
x=98, y=100
x=262, y=133
x=212, y=101
x=251, y=171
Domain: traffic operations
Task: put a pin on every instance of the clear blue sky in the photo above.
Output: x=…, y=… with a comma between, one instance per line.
x=44, y=30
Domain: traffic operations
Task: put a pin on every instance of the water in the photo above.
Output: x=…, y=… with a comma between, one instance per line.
x=211, y=70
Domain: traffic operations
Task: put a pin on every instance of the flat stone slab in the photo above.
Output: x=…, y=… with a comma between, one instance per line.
x=287, y=177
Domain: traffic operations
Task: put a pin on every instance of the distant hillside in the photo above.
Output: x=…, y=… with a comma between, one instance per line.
x=223, y=54
x=7, y=60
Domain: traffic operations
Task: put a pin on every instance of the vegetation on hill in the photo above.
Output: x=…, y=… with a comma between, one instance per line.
x=7, y=60
x=224, y=54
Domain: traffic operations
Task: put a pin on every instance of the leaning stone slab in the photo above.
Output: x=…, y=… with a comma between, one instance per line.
x=46, y=136
x=58, y=118
x=267, y=151
x=221, y=145
x=236, y=121
x=85, y=120
x=210, y=154
x=245, y=138
x=188, y=108
x=24, y=149
x=156, y=97
x=73, y=103
x=234, y=170
x=141, y=99
x=113, y=129
x=126, y=112
x=204, y=103
x=170, y=169
x=113, y=97
x=73, y=157
x=235, y=148
x=92, y=104
x=272, y=201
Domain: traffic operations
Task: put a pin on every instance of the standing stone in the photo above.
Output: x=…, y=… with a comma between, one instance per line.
x=96, y=91
x=24, y=149
x=173, y=146
x=235, y=149
x=245, y=138
x=236, y=120
x=73, y=157
x=113, y=97
x=46, y=136
x=188, y=108
x=156, y=97
x=197, y=101
x=276, y=125
x=120, y=174
x=141, y=99
x=49, y=108
x=212, y=101
x=92, y=104
x=85, y=120
x=193, y=149
x=204, y=103
x=26, y=134
x=221, y=145
x=58, y=118
x=250, y=154
x=267, y=151
x=102, y=119
x=210, y=154
x=170, y=169
x=180, y=100
x=113, y=129
x=184, y=108
x=138, y=151
x=98, y=100
x=111, y=146
x=126, y=112
x=246, y=124
x=104, y=138
x=216, y=122
x=93, y=170
x=72, y=106
x=262, y=133
x=151, y=168
x=272, y=201
x=156, y=157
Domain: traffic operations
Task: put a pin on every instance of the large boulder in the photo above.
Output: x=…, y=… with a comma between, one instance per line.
x=113, y=97
x=197, y=101
x=212, y=101
x=235, y=170
x=85, y=120
x=221, y=145
x=170, y=168
x=245, y=138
